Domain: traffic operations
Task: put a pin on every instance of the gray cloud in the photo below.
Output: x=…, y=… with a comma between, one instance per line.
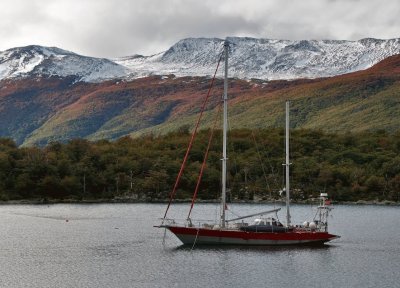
x=106, y=28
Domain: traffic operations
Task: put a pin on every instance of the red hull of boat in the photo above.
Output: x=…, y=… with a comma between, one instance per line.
x=193, y=235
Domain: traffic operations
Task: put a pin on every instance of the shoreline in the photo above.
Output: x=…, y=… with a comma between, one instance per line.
x=161, y=201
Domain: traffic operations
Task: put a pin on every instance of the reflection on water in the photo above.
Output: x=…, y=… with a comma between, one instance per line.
x=115, y=245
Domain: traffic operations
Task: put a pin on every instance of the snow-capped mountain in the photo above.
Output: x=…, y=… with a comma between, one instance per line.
x=249, y=58
x=265, y=58
x=51, y=61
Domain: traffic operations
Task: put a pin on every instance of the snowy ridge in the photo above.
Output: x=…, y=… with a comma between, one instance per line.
x=51, y=61
x=265, y=58
x=249, y=58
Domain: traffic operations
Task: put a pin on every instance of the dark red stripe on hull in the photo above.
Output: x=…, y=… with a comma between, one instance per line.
x=190, y=235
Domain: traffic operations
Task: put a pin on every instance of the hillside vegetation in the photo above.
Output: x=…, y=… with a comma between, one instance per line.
x=39, y=111
x=349, y=166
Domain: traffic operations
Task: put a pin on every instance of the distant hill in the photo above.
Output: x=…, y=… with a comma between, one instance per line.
x=37, y=109
x=38, y=61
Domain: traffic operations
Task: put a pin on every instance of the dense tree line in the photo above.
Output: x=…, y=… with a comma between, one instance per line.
x=350, y=167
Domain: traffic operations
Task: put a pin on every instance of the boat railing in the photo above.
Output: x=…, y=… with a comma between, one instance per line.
x=301, y=228
x=188, y=222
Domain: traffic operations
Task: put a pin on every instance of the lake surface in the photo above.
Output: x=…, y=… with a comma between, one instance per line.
x=115, y=245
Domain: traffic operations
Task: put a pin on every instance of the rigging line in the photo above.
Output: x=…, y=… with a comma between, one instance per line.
x=233, y=163
x=230, y=210
x=203, y=165
x=195, y=240
x=233, y=157
x=173, y=192
x=262, y=165
x=274, y=172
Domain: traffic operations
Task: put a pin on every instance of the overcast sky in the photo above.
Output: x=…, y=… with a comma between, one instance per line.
x=112, y=28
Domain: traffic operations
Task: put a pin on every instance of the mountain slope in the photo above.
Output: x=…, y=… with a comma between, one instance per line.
x=25, y=104
x=359, y=101
x=39, y=110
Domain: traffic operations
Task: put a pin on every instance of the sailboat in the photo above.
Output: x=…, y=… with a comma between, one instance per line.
x=266, y=228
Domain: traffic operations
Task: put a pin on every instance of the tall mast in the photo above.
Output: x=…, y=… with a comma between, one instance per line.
x=224, y=135
x=287, y=164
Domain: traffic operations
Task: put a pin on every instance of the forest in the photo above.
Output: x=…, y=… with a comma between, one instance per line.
x=348, y=166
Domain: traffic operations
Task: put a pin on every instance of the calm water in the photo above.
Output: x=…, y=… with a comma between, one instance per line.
x=115, y=245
